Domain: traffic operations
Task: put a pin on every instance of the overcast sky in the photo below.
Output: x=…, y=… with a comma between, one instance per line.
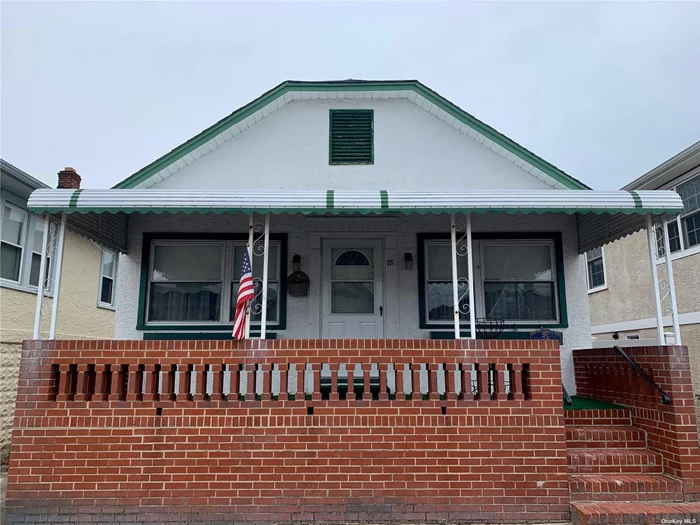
x=604, y=91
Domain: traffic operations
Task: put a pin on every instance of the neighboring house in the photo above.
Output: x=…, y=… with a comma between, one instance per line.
x=88, y=284
x=620, y=283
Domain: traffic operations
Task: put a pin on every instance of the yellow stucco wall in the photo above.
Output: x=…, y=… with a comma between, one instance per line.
x=630, y=293
x=78, y=318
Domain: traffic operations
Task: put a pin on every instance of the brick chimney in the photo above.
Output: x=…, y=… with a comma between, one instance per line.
x=68, y=179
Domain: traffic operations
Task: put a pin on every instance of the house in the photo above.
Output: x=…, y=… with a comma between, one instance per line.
x=89, y=277
x=620, y=284
x=420, y=302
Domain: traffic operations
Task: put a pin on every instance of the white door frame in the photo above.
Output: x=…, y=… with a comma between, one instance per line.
x=390, y=265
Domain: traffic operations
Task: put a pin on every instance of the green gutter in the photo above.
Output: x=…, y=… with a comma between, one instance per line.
x=389, y=85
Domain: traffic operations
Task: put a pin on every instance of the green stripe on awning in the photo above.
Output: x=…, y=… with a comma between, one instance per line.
x=637, y=200
x=329, y=199
x=384, y=196
x=74, y=199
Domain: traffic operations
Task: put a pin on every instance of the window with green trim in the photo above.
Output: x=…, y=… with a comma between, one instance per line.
x=351, y=136
x=195, y=282
x=518, y=279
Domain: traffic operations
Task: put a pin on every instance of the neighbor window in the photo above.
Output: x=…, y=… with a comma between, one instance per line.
x=519, y=281
x=108, y=276
x=684, y=230
x=351, y=136
x=595, y=265
x=14, y=224
x=37, y=245
x=20, y=250
x=193, y=281
x=514, y=280
x=690, y=218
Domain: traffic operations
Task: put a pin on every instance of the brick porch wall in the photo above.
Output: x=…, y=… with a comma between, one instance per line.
x=671, y=430
x=161, y=431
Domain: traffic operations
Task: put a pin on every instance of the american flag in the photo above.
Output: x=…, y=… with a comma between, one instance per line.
x=246, y=293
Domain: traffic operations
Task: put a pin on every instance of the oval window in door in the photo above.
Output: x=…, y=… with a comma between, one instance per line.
x=352, y=281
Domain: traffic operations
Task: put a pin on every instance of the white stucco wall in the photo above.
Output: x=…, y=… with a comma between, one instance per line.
x=301, y=311
x=413, y=151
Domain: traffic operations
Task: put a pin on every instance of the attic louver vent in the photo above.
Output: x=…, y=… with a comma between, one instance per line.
x=352, y=136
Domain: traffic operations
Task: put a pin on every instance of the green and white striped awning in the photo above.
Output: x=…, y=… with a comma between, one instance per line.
x=354, y=202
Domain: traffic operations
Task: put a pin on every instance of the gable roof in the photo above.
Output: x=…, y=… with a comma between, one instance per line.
x=18, y=181
x=669, y=171
x=414, y=91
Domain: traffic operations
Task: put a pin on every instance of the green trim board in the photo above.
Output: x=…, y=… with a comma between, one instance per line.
x=148, y=238
x=354, y=85
x=561, y=280
x=200, y=336
x=464, y=334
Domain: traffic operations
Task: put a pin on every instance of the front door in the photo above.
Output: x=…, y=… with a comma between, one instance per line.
x=352, y=298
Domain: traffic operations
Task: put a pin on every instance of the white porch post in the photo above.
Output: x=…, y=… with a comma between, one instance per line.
x=470, y=276
x=57, y=283
x=250, y=254
x=266, y=257
x=42, y=274
x=655, y=280
x=455, y=291
x=671, y=285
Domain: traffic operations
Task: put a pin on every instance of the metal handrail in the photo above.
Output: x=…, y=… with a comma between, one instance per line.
x=664, y=396
x=567, y=397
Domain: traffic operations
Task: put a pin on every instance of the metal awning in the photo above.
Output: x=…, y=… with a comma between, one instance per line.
x=602, y=216
x=352, y=202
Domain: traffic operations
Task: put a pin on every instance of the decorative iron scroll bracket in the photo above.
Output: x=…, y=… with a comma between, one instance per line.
x=664, y=396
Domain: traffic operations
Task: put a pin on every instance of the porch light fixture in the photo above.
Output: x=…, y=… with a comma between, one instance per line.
x=298, y=281
x=408, y=261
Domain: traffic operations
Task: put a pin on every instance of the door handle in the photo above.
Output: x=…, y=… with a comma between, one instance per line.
x=381, y=311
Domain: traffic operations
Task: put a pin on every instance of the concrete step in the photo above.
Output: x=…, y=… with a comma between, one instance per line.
x=636, y=512
x=597, y=417
x=582, y=436
x=624, y=487
x=613, y=461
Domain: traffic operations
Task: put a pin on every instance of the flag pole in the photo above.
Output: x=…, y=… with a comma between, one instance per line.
x=250, y=255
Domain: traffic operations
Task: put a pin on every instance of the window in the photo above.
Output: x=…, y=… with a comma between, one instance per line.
x=595, y=265
x=684, y=230
x=186, y=282
x=438, y=283
x=108, y=276
x=516, y=280
x=14, y=223
x=351, y=136
x=352, y=281
x=272, y=283
x=195, y=282
x=20, y=249
x=37, y=245
x=690, y=218
x=519, y=281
